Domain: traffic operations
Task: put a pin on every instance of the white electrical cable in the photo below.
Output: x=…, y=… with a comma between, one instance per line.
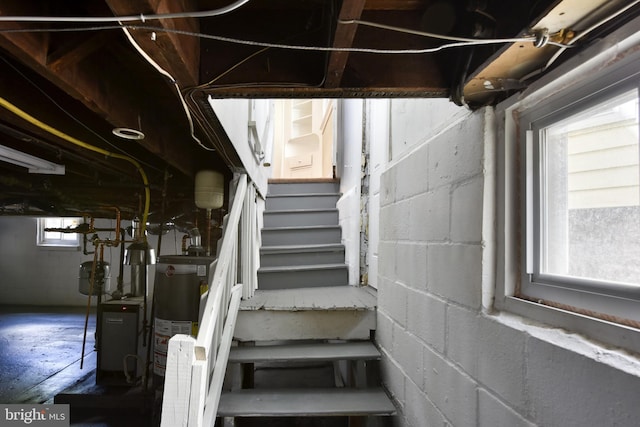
x=274, y=45
x=175, y=84
x=471, y=42
x=578, y=37
x=129, y=18
x=474, y=42
x=427, y=34
x=532, y=38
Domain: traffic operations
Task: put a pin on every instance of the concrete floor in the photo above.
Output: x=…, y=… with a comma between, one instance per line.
x=40, y=357
x=40, y=362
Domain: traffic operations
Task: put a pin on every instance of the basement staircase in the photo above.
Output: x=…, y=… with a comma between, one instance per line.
x=301, y=238
x=304, y=352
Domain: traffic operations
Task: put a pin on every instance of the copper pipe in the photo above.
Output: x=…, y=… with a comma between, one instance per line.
x=208, y=232
x=86, y=317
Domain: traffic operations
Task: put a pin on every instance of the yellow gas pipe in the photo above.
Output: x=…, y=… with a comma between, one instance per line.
x=26, y=116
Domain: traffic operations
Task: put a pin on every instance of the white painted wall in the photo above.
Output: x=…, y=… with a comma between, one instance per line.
x=349, y=166
x=33, y=275
x=234, y=115
x=377, y=133
x=447, y=358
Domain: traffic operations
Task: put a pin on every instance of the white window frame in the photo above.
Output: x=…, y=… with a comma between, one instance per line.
x=54, y=239
x=605, y=66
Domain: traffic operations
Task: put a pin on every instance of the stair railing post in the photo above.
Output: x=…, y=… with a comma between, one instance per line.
x=177, y=385
x=191, y=363
x=247, y=242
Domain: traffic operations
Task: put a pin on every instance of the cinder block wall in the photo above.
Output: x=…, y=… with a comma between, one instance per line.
x=446, y=360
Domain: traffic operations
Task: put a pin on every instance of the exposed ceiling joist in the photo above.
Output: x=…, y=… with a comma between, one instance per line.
x=178, y=55
x=343, y=37
x=88, y=81
x=514, y=66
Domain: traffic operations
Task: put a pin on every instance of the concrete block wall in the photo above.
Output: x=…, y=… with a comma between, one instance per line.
x=448, y=359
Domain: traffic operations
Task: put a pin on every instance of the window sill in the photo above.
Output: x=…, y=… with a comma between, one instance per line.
x=599, y=332
x=59, y=248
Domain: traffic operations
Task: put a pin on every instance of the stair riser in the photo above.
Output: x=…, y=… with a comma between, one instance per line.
x=307, y=201
x=296, y=219
x=307, y=278
x=301, y=258
x=303, y=236
x=268, y=325
x=304, y=187
x=316, y=351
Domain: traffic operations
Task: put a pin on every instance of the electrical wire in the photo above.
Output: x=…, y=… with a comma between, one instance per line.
x=471, y=42
x=580, y=35
x=128, y=18
x=423, y=33
x=233, y=67
x=71, y=116
x=221, y=11
x=143, y=18
x=29, y=118
x=173, y=81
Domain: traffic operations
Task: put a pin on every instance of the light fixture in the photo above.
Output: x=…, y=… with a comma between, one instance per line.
x=128, y=133
x=34, y=164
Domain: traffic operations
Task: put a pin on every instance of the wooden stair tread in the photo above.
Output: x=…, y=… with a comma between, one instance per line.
x=305, y=402
x=301, y=210
x=357, y=350
x=307, y=195
x=292, y=268
x=302, y=180
x=302, y=227
x=322, y=247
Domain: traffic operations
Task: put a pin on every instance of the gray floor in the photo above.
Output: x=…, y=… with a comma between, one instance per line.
x=40, y=360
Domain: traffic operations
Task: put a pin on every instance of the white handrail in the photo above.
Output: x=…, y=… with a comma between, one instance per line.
x=196, y=366
x=208, y=322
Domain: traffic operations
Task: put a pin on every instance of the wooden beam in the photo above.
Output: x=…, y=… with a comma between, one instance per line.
x=73, y=52
x=504, y=70
x=103, y=88
x=396, y=5
x=343, y=38
x=407, y=91
x=177, y=54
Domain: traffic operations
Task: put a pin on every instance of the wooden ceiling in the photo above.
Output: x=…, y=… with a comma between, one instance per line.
x=85, y=78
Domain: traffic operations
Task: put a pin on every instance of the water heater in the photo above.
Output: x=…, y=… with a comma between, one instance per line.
x=179, y=284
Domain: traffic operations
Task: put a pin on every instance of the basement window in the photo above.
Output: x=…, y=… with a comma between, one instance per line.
x=58, y=238
x=569, y=196
x=583, y=206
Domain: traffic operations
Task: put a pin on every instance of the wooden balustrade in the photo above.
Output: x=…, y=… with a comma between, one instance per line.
x=196, y=366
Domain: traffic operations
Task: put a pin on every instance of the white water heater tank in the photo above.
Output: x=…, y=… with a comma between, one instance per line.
x=209, y=189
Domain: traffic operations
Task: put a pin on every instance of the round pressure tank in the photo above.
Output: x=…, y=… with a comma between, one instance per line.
x=209, y=189
x=101, y=282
